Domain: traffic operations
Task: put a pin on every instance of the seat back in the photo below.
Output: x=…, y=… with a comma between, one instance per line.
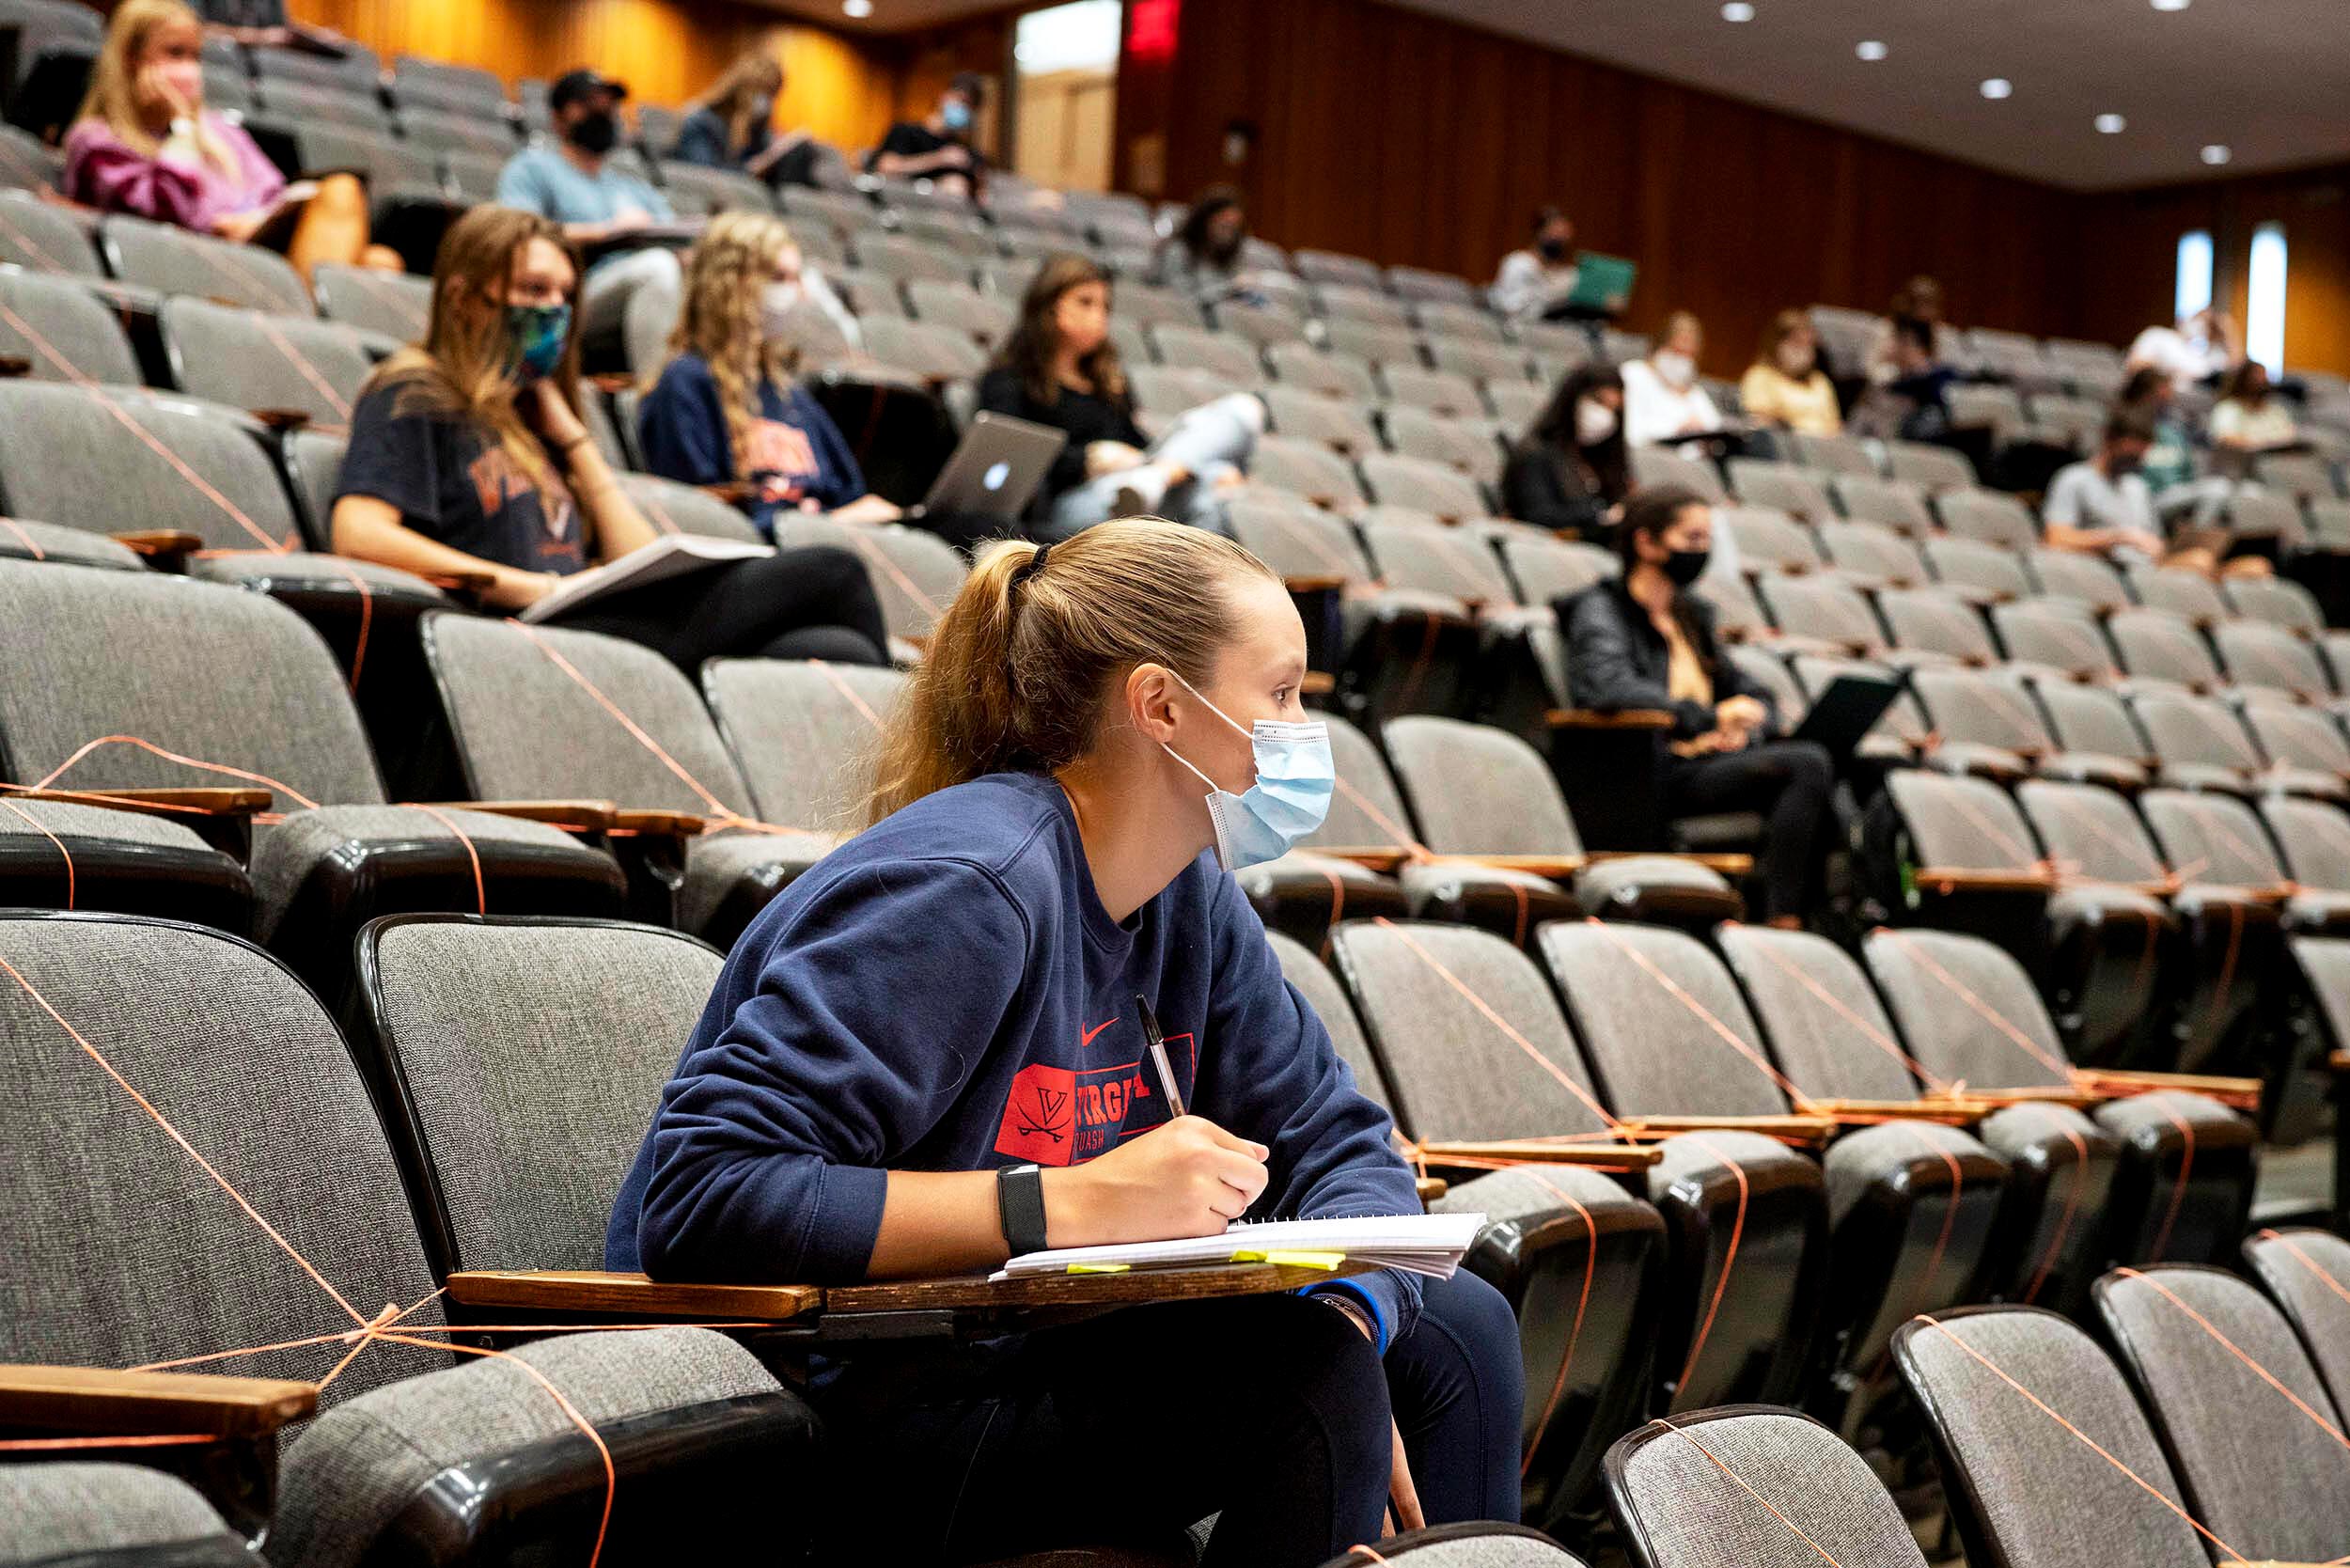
x=1478, y=790
x=527, y=1056
x=1444, y=392
x=1898, y=504
x=1986, y=515
x=1661, y=1021
x=1653, y=467
x=1814, y=1004
x=527, y=729
x=2307, y=1273
x=1874, y=550
x=2217, y=834
x=2086, y=580
x=926, y=349
x=1463, y=447
x=1330, y=372
x=394, y=304
x=805, y=734
x=61, y=330
x=1671, y=1486
x=250, y=360
x=173, y=261
x=1313, y=981
x=1936, y=621
x=2091, y=830
x=1967, y=1008
x=2314, y=837
x=42, y=238
x=214, y=673
x=2277, y=602
x=2092, y=720
x=1781, y=486
x=1452, y=1070
x=2189, y=595
x=123, y=1249
x=2298, y=737
x=672, y=507
x=2024, y=1489
x=1413, y=553
x=1307, y=470
x=1549, y=570
x=2154, y=645
x=1367, y=811
x=1769, y=538
x=2195, y=730
x=2258, y=653
x=68, y=454
x=1904, y=721
x=1300, y=413
x=1968, y=563
x=2183, y=1335
x=1981, y=708
x=916, y=574
x=1227, y=355
x=1939, y=469
x=1826, y=608
x=1842, y=455
x=2058, y=635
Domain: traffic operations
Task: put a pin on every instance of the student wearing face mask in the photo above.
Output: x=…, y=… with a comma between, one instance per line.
x=1536, y=282
x=1568, y=473
x=732, y=126
x=938, y=147
x=468, y=457
x=1785, y=386
x=725, y=410
x=923, y=1058
x=631, y=296
x=1663, y=400
x=1644, y=640
x=1207, y=255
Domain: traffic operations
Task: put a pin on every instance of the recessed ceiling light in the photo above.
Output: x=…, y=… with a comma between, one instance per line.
x=2171, y=5
x=1999, y=87
x=1737, y=10
x=859, y=9
x=2216, y=154
x=1871, y=50
x=2113, y=125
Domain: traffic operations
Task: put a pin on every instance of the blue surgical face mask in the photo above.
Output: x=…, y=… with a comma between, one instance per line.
x=538, y=333
x=1295, y=778
x=955, y=115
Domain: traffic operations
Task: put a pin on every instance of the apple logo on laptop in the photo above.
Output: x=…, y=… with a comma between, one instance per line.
x=994, y=478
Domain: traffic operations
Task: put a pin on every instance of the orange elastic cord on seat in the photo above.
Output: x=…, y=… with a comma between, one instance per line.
x=2087, y=1441
x=1367, y=1555
x=1317, y=546
x=2323, y=1273
x=350, y=574
x=865, y=709
x=157, y=1441
x=1741, y=1484
x=2134, y=848
x=2023, y=855
x=1982, y=1009
x=64, y=854
x=1869, y=1031
x=1418, y=672
x=877, y=557
x=1704, y=1014
x=2234, y=1349
x=480, y=893
x=1729, y=1259
x=24, y=242
x=1582, y=1302
x=30, y=542
x=302, y=365
x=2064, y=1221
x=263, y=779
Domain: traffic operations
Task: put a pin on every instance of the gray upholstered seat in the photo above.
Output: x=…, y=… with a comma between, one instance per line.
x=1468, y=1547
x=1424, y=481
x=1896, y=504
x=1666, y=1485
x=2314, y=840
x=1445, y=392
x=394, y=304
x=914, y=574
x=41, y=237
x=2272, y=658
x=1769, y=540
x=1781, y=487
x=127, y=1252
x=2226, y=844
x=2306, y=751
x=2158, y=649
x=1303, y=893
x=1545, y=571
x=672, y=507
x=2055, y=637
x=2307, y=1271
x=526, y=727
x=102, y=1514
x=2022, y=1488
x=805, y=734
x=2276, y=602
x=1304, y=413
x=1303, y=367
x=21, y=540
x=2202, y=744
x=1970, y=566
x=1476, y=790
x=1988, y=516
x=250, y=360
x=1935, y=623
x=1656, y=467
x=72, y=335
x=1870, y=552
x=173, y=261
x=1825, y=610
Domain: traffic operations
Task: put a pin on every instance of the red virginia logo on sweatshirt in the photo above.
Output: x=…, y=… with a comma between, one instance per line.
x=1067, y=1115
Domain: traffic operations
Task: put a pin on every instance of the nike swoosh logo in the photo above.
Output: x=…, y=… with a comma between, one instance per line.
x=1085, y=1037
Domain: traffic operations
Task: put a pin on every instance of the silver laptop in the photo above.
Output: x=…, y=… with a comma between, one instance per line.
x=995, y=469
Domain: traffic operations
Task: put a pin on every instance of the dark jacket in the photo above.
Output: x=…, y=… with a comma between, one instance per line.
x=1617, y=659
x=1548, y=488
x=701, y=139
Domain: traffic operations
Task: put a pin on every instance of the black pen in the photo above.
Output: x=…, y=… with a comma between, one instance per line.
x=1157, y=1041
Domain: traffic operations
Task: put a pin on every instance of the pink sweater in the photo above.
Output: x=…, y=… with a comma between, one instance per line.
x=105, y=172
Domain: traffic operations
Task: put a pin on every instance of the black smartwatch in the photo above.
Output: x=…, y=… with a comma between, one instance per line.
x=1019, y=1205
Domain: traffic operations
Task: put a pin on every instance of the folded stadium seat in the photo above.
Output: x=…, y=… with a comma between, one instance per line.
x=1488, y=806
x=1516, y=405
x=173, y=261
x=2023, y=1489
x=2054, y=640
x=1417, y=554
x=1371, y=306
x=1327, y=371
x=1677, y=1490
x=25, y=163
x=1324, y=267
x=452, y=131
x=1781, y=487
x=107, y=1514
x=805, y=734
x=1422, y=485
x=821, y=245
x=2075, y=422
x=1987, y=516
x=1933, y=623
x=1770, y=541
x=1547, y=571
x=1374, y=341
x=2188, y=595
x=44, y=238
x=1483, y=1546
x=2184, y=1164
x=2262, y=515
x=2276, y=602
x=1442, y=392
x=62, y=330
x=24, y=540
x=2222, y=837
x=1481, y=359
x=1826, y=610
x=2270, y=666
x=845, y=209
x=1163, y=391
x=473, y=176
x=415, y=1456
x=1653, y=467
x=2224, y=948
x=867, y=293
x=1738, y=615
x=916, y=574
x=1835, y=454
x=1987, y=727
x=987, y=322
x=1896, y=504
x=357, y=67
x=2304, y=747
x=1260, y=325
x=1147, y=306
x=403, y=179
x=1464, y=445
x=289, y=104
x=267, y=364
x=1986, y=574
x=1997, y=409
x=1666, y=1030
x=1939, y=469
x=2303, y=476
x=2202, y=744
x=1898, y=737
x=394, y=305
x=2306, y=1272
x=1454, y=317
x=673, y=508
x=2159, y=651
x=1307, y=470
x=1873, y=553
x=2087, y=581
x=313, y=461
x=1556, y=1241
x=417, y=79
x=2255, y=1442
x=937, y=353
x=524, y=727
x=904, y=258
x=2093, y=728
x=960, y=233
x=1301, y=415
x=1227, y=355
x=1473, y=1047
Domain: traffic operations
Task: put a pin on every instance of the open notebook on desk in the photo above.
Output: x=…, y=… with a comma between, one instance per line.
x=1419, y=1244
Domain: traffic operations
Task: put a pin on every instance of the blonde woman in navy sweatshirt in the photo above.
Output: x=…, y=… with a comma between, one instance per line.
x=925, y=1055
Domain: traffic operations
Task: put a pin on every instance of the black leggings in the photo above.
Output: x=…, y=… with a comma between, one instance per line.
x=1271, y=1411
x=811, y=603
x=1786, y=780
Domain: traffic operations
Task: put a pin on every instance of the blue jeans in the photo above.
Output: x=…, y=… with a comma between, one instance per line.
x=1270, y=1412
x=1209, y=442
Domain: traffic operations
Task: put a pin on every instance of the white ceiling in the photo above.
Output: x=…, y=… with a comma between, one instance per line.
x=2270, y=79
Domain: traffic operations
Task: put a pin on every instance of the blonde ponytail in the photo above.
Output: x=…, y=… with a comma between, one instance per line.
x=1020, y=664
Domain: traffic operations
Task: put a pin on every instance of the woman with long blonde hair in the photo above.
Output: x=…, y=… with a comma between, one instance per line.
x=469, y=458
x=144, y=144
x=725, y=410
x=732, y=126
x=930, y=1053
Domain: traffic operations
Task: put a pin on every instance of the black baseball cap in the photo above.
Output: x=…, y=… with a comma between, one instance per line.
x=572, y=85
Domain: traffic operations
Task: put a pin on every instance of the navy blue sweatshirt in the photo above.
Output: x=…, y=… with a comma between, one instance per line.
x=681, y=427
x=945, y=991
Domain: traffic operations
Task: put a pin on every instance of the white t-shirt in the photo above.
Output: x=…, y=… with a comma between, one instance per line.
x=1528, y=287
x=2270, y=425
x=1655, y=411
x=2081, y=497
x=2183, y=359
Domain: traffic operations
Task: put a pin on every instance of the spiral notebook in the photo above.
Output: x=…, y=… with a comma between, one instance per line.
x=1432, y=1245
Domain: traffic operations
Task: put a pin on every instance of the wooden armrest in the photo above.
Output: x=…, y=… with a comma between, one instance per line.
x=151, y=543
x=590, y=1290
x=1430, y=1188
x=2237, y=1093
x=662, y=824
x=1384, y=859
x=1951, y=1112
x=1960, y=878
x=580, y=816
x=1729, y=865
x=1535, y=864
x=734, y=492
x=1803, y=1129
x=1318, y=682
x=1609, y=1156
x=2074, y=1095
x=1589, y=718
x=468, y=582
x=279, y=419
x=1306, y=583
x=162, y=803
x=140, y=1404
x=2338, y=1063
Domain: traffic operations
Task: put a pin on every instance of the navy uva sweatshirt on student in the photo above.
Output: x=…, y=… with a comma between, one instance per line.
x=681, y=426
x=946, y=992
